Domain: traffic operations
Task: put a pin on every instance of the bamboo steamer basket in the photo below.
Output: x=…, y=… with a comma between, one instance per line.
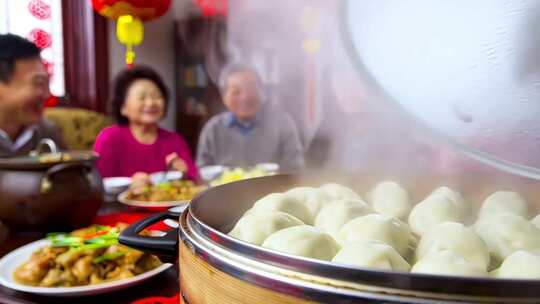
x=215, y=268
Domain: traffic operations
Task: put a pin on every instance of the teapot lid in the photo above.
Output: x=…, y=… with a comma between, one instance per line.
x=45, y=155
x=46, y=160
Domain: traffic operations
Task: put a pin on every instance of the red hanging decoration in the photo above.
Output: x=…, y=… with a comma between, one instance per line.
x=143, y=9
x=211, y=8
x=39, y=9
x=49, y=67
x=129, y=15
x=50, y=102
x=40, y=38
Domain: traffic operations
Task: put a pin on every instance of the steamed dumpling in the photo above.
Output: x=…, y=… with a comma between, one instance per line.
x=457, y=238
x=306, y=241
x=390, y=199
x=536, y=221
x=506, y=233
x=371, y=254
x=338, y=192
x=433, y=210
x=504, y=202
x=519, y=265
x=284, y=203
x=447, y=262
x=377, y=227
x=313, y=198
x=255, y=227
x=453, y=195
x=334, y=215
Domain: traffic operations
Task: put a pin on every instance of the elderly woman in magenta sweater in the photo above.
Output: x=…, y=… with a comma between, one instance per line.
x=136, y=145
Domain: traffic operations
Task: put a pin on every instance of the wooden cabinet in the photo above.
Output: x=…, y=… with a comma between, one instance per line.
x=199, y=56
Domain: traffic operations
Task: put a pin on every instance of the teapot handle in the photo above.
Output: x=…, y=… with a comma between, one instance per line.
x=46, y=183
x=42, y=144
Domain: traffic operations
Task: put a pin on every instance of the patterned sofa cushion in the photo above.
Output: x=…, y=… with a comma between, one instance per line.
x=79, y=127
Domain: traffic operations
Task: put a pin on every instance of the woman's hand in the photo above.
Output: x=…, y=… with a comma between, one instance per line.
x=174, y=161
x=140, y=180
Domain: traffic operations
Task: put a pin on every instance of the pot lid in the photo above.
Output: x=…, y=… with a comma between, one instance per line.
x=46, y=160
x=44, y=156
x=469, y=71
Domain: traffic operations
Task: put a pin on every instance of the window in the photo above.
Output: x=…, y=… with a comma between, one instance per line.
x=39, y=21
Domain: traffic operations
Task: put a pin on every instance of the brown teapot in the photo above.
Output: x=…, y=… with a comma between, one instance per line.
x=49, y=191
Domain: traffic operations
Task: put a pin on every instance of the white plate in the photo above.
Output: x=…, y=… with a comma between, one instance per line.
x=268, y=167
x=115, y=185
x=209, y=173
x=122, y=198
x=163, y=176
x=10, y=262
x=179, y=209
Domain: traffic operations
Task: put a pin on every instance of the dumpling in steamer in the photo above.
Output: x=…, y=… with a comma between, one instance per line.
x=371, y=254
x=306, y=241
x=390, y=199
x=379, y=228
x=284, y=203
x=338, y=192
x=536, y=221
x=504, y=202
x=433, y=210
x=454, y=195
x=313, y=198
x=334, y=215
x=507, y=233
x=457, y=238
x=255, y=227
x=519, y=265
x=447, y=262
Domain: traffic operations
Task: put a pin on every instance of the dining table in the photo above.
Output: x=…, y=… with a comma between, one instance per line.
x=160, y=289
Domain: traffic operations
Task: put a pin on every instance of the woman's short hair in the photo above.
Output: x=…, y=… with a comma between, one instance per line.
x=123, y=82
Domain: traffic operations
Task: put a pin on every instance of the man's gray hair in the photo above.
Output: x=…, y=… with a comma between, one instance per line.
x=238, y=67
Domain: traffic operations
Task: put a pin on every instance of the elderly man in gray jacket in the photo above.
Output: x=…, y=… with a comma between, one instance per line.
x=252, y=131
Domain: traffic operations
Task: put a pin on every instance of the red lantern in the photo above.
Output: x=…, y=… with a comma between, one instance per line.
x=211, y=8
x=128, y=15
x=142, y=9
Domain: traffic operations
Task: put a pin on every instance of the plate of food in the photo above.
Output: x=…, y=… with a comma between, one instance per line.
x=87, y=261
x=161, y=195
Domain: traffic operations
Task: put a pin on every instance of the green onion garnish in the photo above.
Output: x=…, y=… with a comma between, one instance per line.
x=108, y=257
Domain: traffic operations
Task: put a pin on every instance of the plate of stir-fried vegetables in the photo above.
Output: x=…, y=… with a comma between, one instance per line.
x=84, y=262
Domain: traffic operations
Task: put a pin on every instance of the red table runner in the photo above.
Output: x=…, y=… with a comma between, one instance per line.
x=130, y=218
